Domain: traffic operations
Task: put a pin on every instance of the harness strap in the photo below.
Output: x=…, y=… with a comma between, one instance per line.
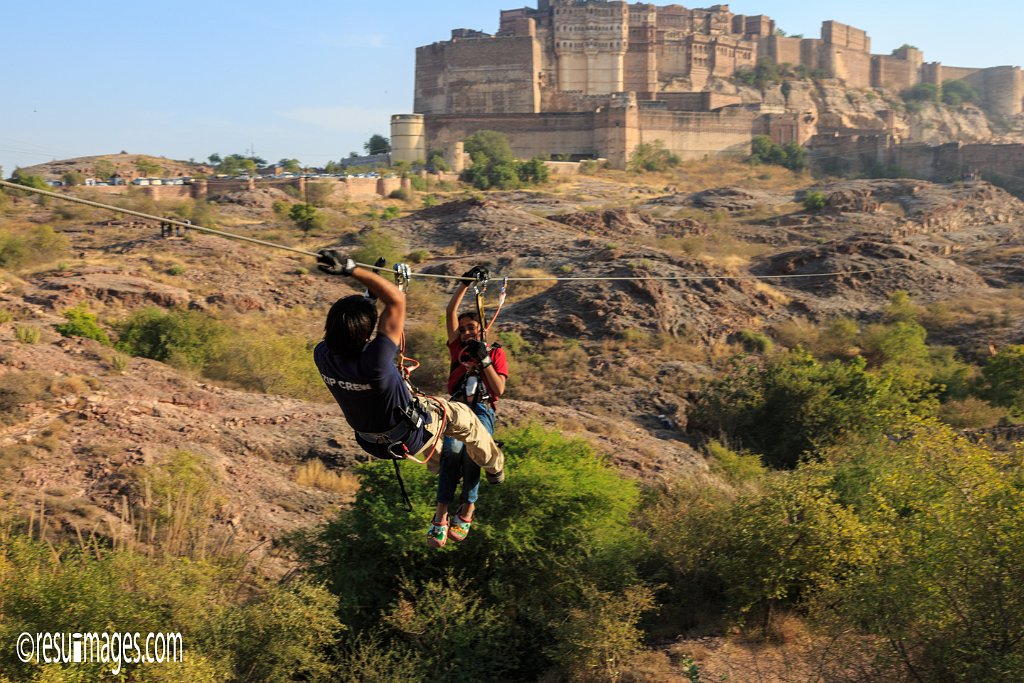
x=401, y=486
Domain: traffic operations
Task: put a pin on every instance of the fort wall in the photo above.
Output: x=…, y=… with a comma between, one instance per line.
x=781, y=50
x=544, y=134
x=889, y=71
x=696, y=135
x=1001, y=89
x=489, y=74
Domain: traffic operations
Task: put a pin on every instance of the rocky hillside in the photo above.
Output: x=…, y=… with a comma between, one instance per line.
x=832, y=106
x=612, y=360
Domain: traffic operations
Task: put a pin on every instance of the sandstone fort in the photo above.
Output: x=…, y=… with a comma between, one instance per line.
x=595, y=78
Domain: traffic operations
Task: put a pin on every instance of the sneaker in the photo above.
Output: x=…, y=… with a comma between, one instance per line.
x=459, y=528
x=496, y=477
x=437, y=534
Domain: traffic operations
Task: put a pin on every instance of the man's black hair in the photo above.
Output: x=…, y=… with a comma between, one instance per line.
x=349, y=325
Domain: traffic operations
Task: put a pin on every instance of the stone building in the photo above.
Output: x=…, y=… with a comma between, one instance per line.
x=594, y=78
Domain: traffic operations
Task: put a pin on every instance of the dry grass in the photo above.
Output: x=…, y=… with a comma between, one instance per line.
x=314, y=474
x=772, y=293
x=517, y=291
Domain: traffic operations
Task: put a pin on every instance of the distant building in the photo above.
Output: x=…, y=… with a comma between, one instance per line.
x=589, y=78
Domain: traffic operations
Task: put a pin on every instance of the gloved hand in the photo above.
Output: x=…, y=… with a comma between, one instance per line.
x=333, y=262
x=474, y=274
x=478, y=351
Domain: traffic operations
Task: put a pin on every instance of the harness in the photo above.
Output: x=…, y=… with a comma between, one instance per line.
x=412, y=418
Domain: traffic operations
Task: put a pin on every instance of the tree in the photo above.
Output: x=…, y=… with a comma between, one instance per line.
x=72, y=178
x=1003, y=378
x=956, y=92
x=377, y=144
x=306, y=217
x=793, y=404
x=652, y=156
x=28, y=180
x=103, y=169
x=922, y=92
x=290, y=165
x=214, y=159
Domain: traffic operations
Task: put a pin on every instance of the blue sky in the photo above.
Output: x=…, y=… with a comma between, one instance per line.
x=314, y=80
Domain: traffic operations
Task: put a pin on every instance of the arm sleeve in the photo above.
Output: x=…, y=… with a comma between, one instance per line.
x=499, y=361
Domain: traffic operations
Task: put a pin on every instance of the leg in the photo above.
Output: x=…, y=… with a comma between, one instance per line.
x=470, y=470
x=464, y=425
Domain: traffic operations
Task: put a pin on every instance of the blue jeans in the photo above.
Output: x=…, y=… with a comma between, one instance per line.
x=455, y=464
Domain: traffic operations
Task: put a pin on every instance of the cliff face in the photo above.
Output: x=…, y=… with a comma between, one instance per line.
x=835, y=107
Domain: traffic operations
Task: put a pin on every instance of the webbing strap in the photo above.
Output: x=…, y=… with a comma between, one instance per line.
x=401, y=486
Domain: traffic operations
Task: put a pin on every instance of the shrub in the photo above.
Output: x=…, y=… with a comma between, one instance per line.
x=418, y=256
x=922, y=92
x=790, y=155
x=1002, y=379
x=376, y=244
x=601, y=635
x=27, y=248
x=793, y=404
x=518, y=565
x=956, y=92
x=391, y=212
x=18, y=389
x=306, y=217
x=176, y=269
x=651, y=156
x=262, y=359
x=27, y=334
x=945, y=588
x=187, y=339
x=814, y=201
x=82, y=323
x=260, y=631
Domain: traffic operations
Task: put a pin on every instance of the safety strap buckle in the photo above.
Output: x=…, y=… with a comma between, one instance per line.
x=403, y=276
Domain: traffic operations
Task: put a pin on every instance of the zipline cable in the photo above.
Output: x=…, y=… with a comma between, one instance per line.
x=588, y=278
x=161, y=219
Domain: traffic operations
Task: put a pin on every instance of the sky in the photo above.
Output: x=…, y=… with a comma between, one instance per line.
x=314, y=80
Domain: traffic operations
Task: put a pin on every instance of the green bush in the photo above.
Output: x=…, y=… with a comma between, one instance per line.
x=278, y=633
x=922, y=92
x=944, y=591
x=814, y=201
x=306, y=216
x=652, y=156
x=494, y=165
x=792, y=404
x=1002, y=379
x=263, y=359
x=82, y=323
x=31, y=247
x=956, y=92
x=556, y=529
x=790, y=155
x=375, y=244
x=187, y=339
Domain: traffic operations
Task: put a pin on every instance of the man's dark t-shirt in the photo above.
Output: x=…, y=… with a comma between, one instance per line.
x=369, y=390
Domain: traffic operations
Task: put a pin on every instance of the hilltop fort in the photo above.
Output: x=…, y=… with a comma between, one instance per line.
x=594, y=78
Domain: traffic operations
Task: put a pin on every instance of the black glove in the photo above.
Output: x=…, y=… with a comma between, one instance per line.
x=333, y=262
x=478, y=351
x=475, y=274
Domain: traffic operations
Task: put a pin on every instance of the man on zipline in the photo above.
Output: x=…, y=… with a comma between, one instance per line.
x=361, y=375
x=477, y=378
